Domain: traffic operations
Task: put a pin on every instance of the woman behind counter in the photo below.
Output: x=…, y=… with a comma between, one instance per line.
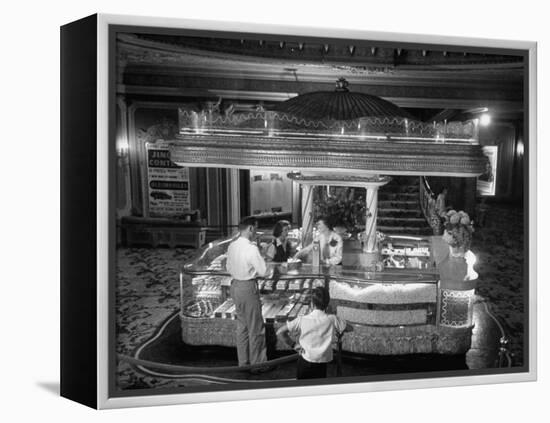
x=330, y=243
x=457, y=270
x=279, y=250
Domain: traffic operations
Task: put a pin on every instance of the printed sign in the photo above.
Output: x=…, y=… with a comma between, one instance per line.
x=167, y=183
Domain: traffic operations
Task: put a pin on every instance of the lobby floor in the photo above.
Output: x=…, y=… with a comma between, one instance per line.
x=147, y=290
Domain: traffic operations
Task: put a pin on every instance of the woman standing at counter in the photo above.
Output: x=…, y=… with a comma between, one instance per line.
x=330, y=243
x=279, y=250
x=457, y=271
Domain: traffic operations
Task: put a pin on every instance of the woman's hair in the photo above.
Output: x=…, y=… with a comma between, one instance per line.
x=326, y=221
x=279, y=227
x=320, y=298
x=461, y=237
x=459, y=227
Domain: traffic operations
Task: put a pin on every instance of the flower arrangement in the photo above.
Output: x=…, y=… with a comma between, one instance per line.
x=341, y=204
x=458, y=229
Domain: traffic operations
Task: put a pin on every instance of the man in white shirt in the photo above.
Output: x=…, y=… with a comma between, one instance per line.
x=244, y=263
x=316, y=333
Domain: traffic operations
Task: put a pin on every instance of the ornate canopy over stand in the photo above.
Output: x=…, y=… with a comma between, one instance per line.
x=338, y=138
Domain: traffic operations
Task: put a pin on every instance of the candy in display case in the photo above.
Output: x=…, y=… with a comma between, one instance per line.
x=207, y=311
x=406, y=252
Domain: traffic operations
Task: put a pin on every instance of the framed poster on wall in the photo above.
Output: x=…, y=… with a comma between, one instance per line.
x=167, y=183
x=372, y=111
x=486, y=182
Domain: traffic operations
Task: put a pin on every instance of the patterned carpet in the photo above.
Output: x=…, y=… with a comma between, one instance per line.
x=147, y=294
x=499, y=246
x=148, y=289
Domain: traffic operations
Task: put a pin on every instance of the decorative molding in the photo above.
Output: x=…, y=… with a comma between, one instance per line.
x=284, y=124
x=512, y=78
x=294, y=49
x=137, y=152
x=340, y=155
x=398, y=86
x=496, y=106
x=163, y=58
x=280, y=69
x=328, y=178
x=123, y=164
x=204, y=92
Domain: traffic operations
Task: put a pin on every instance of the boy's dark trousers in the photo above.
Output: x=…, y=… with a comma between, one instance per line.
x=307, y=370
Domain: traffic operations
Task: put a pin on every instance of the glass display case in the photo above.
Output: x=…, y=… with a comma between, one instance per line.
x=394, y=310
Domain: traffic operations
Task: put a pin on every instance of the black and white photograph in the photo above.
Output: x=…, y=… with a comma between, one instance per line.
x=286, y=211
x=306, y=210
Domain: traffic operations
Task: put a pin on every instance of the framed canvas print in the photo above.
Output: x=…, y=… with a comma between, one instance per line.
x=266, y=211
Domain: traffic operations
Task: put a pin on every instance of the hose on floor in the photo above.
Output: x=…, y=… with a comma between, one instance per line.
x=504, y=352
x=196, y=372
x=201, y=373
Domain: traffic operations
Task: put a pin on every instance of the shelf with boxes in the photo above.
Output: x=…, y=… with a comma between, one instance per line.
x=406, y=252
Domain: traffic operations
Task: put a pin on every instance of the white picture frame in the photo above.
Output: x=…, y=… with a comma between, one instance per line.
x=100, y=394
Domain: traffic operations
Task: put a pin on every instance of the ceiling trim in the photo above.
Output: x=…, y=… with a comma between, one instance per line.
x=416, y=102
x=198, y=92
x=443, y=79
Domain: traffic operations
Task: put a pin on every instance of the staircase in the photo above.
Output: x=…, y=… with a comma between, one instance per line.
x=399, y=211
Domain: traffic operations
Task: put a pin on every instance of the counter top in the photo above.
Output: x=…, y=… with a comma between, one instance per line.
x=350, y=273
x=211, y=261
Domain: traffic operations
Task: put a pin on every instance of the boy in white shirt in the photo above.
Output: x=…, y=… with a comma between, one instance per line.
x=316, y=333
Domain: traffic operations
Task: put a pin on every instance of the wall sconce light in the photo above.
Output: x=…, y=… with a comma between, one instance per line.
x=485, y=119
x=122, y=147
x=519, y=148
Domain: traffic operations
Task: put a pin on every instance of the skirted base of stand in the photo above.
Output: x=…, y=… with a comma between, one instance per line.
x=364, y=339
x=422, y=339
x=208, y=331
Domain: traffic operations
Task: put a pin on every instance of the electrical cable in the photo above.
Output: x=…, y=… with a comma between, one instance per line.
x=144, y=365
x=183, y=371
x=502, y=336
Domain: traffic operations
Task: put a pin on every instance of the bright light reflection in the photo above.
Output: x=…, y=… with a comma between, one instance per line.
x=519, y=148
x=485, y=119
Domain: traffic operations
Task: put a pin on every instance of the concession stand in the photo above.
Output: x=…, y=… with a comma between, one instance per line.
x=392, y=311
x=388, y=285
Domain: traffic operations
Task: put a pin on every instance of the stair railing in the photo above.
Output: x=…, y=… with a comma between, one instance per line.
x=427, y=204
